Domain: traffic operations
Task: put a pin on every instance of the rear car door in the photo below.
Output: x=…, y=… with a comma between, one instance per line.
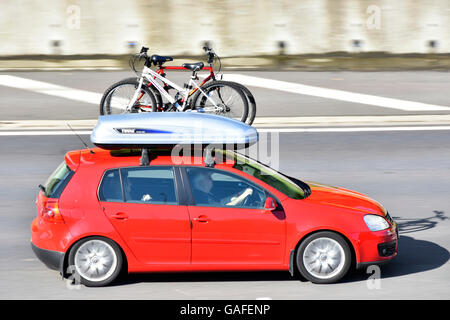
x=230, y=225
x=142, y=204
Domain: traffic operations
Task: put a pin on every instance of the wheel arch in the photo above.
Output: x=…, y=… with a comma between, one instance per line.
x=65, y=259
x=293, y=252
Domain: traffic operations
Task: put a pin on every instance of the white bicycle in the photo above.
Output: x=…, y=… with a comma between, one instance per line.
x=138, y=95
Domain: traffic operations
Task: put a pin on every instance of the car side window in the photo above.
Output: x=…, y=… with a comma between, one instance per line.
x=217, y=188
x=111, y=189
x=153, y=185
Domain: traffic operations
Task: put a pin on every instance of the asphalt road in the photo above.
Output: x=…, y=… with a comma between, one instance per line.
x=408, y=172
x=427, y=87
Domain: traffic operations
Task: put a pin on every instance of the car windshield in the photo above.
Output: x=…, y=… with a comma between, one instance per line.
x=266, y=174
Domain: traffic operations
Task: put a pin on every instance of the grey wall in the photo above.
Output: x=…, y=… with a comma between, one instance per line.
x=235, y=27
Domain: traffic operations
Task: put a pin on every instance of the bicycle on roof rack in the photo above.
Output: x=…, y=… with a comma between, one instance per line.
x=146, y=93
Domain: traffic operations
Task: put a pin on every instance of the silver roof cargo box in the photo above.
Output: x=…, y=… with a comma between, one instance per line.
x=157, y=129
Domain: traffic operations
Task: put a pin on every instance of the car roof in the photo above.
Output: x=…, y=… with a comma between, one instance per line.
x=131, y=157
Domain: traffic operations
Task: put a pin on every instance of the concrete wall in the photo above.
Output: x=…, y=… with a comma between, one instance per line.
x=234, y=27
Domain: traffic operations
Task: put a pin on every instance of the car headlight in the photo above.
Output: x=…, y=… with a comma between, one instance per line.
x=375, y=223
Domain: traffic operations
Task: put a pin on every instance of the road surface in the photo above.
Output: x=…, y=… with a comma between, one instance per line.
x=408, y=171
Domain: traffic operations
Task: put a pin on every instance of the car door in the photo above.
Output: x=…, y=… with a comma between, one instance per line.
x=142, y=204
x=230, y=229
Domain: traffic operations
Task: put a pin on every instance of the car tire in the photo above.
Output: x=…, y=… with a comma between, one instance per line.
x=95, y=261
x=323, y=257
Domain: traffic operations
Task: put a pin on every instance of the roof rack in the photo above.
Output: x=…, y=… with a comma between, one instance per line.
x=209, y=160
x=145, y=159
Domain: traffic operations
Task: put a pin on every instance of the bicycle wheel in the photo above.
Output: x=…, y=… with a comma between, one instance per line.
x=229, y=100
x=158, y=97
x=116, y=98
x=251, y=103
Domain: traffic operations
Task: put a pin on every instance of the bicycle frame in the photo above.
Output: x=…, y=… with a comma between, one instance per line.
x=151, y=77
x=209, y=77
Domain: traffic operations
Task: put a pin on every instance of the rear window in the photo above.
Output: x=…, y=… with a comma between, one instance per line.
x=57, y=181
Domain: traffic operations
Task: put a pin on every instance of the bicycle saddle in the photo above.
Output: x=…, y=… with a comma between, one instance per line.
x=160, y=59
x=194, y=66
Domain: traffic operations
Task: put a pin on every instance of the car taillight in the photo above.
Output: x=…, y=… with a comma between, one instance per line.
x=50, y=211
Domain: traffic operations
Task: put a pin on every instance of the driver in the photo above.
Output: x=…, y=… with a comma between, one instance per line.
x=202, y=185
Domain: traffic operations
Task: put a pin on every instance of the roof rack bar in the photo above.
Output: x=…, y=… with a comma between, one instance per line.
x=209, y=160
x=144, y=159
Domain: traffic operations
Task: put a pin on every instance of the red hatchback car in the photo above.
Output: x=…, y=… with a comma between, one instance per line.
x=101, y=211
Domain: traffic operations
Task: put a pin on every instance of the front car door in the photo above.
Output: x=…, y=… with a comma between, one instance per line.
x=142, y=204
x=231, y=228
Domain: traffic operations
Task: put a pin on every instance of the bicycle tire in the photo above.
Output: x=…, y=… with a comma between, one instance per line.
x=106, y=98
x=156, y=93
x=251, y=100
x=210, y=86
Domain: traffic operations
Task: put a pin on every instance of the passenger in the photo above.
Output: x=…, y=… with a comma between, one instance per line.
x=133, y=195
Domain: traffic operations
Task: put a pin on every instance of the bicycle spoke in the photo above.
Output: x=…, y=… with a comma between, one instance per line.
x=118, y=99
x=225, y=100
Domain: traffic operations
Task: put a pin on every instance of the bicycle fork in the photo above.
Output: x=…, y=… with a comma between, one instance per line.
x=135, y=96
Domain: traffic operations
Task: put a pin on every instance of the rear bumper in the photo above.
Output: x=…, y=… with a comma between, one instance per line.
x=52, y=259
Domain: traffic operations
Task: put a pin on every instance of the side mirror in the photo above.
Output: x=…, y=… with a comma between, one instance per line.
x=270, y=204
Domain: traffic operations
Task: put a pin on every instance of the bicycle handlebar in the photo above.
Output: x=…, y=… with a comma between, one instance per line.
x=143, y=54
x=210, y=53
x=148, y=62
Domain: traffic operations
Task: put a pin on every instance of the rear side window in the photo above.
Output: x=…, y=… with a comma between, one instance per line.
x=57, y=181
x=111, y=187
x=153, y=185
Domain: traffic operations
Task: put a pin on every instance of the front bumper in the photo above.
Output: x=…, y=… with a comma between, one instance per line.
x=363, y=265
x=52, y=259
x=377, y=248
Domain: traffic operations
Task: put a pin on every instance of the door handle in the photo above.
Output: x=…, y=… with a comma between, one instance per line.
x=119, y=216
x=201, y=218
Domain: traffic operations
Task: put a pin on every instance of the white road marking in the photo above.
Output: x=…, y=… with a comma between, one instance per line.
x=50, y=89
x=355, y=129
x=260, y=122
x=42, y=133
x=352, y=120
x=87, y=124
x=281, y=130
x=334, y=94
x=94, y=98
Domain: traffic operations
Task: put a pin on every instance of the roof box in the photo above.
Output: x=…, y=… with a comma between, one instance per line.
x=157, y=129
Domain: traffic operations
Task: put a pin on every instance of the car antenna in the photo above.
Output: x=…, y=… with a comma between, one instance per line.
x=82, y=141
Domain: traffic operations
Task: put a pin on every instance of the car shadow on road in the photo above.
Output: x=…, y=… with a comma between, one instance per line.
x=206, y=277
x=414, y=256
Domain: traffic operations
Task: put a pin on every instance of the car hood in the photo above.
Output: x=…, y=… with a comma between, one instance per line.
x=344, y=198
